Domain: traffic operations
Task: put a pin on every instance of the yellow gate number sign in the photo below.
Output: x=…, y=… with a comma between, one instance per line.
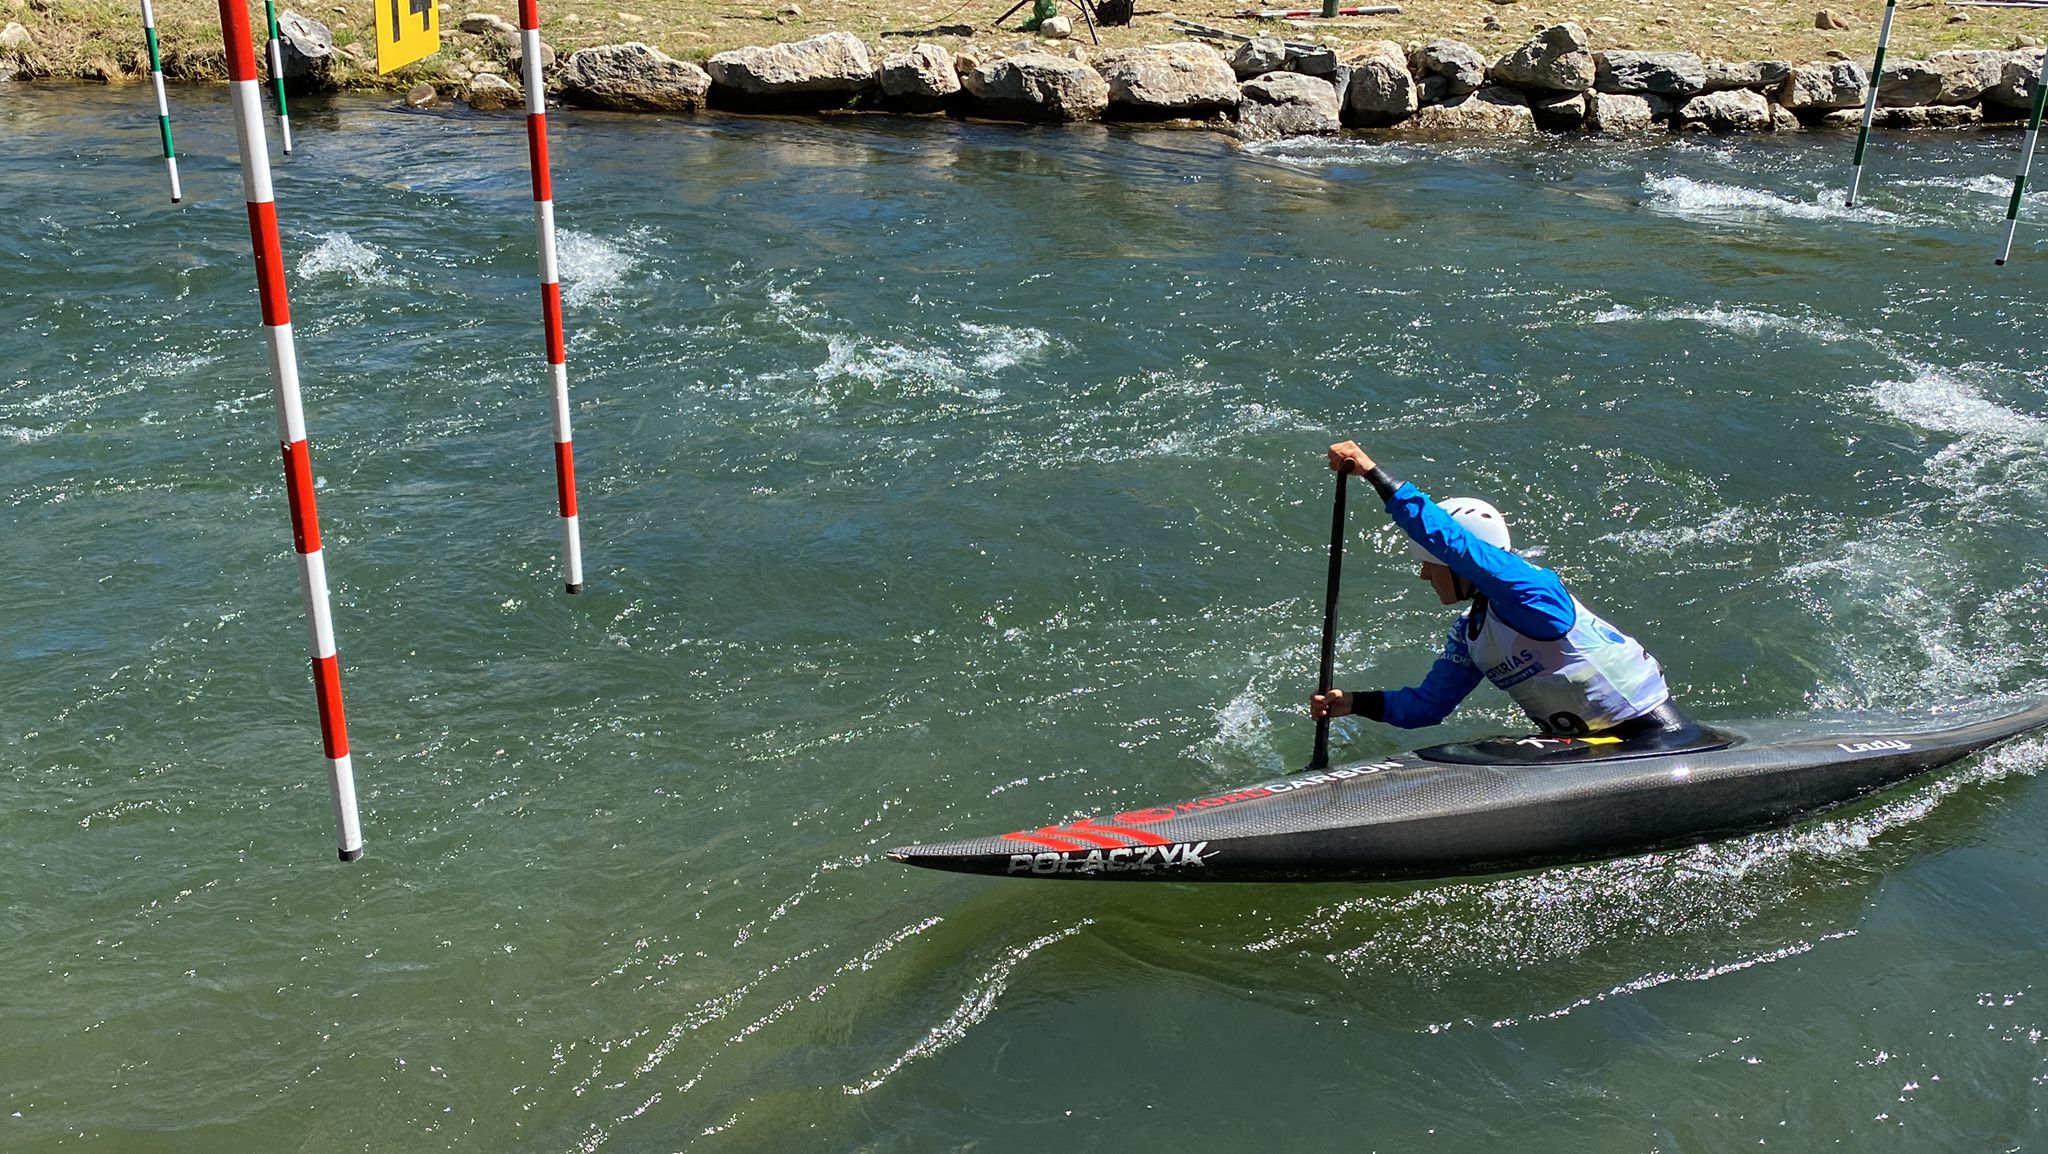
x=407, y=30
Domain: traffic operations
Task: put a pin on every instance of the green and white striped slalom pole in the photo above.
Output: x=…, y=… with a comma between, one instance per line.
x=275, y=52
x=1884, y=36
x=163, y=107
x=2019, y=184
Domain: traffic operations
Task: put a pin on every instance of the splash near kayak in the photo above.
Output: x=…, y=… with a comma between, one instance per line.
x=1492, y=806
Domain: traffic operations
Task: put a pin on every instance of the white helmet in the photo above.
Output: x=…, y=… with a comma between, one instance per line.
x=1478, y=518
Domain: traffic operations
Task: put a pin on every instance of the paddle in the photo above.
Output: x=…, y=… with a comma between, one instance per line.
x=1321, y=758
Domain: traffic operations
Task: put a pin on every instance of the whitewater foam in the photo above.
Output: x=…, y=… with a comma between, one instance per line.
x=1748, y=321
x=1993, y=444
x=861, y=360
x=1985, y=184
x=342, y=256
x=1735, y=525
x=1716, y=203
x=593, y=268
x=1939, y=400
x=1327, y=152
x=998, y=347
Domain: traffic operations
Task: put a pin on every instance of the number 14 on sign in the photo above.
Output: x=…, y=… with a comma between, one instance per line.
x=407, y=30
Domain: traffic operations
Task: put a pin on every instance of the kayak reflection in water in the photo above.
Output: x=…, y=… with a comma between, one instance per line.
x=1573, y=673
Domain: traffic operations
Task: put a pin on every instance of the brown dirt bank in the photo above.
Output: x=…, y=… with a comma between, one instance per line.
x=102, y=39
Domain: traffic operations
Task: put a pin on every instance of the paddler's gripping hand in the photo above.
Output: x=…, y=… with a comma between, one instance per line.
x=1335, y=703
x=1347, y=457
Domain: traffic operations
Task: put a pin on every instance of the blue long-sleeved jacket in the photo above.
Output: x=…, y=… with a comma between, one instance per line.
x=1528, y=598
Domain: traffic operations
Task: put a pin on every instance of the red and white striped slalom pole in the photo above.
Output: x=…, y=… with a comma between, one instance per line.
x=291, y=419
x=550, y=289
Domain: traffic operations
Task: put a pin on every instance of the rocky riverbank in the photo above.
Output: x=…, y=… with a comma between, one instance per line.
x=1253, y=86
x=1268, y=87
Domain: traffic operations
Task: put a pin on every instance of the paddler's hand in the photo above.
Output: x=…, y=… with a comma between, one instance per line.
x=1347, y=457
x=1335, y=703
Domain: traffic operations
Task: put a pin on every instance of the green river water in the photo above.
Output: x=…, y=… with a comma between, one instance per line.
x=939, y=479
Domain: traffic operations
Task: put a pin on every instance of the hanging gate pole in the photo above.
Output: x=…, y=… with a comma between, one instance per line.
x=276, y=54
x=2019, y=184
x=163, y=107
x=1884, y=36
x=291, y=420
x=550, y=290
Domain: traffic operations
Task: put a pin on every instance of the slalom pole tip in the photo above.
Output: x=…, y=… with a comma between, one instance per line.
x=2000, y=262
x=352, y=854
x=574, y=586
x=180, y=199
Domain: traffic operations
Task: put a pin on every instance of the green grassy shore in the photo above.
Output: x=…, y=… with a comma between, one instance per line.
x=101, y=40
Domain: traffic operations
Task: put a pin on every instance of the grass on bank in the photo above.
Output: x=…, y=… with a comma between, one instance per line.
x=102, y=39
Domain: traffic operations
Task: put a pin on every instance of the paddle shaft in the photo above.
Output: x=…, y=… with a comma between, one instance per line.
x=1321, y=758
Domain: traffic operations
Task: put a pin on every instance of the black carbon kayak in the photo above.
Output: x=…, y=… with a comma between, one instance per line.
x=1482, y=807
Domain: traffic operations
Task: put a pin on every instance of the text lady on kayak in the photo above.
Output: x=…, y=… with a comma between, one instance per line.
x=1570, y=671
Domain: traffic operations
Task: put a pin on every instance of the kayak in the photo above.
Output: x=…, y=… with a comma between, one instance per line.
x=1482, y=807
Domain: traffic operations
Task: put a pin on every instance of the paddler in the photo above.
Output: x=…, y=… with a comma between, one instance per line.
x=1573, y=673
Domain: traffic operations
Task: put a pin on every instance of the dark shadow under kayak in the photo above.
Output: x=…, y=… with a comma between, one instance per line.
x=1479, y=808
